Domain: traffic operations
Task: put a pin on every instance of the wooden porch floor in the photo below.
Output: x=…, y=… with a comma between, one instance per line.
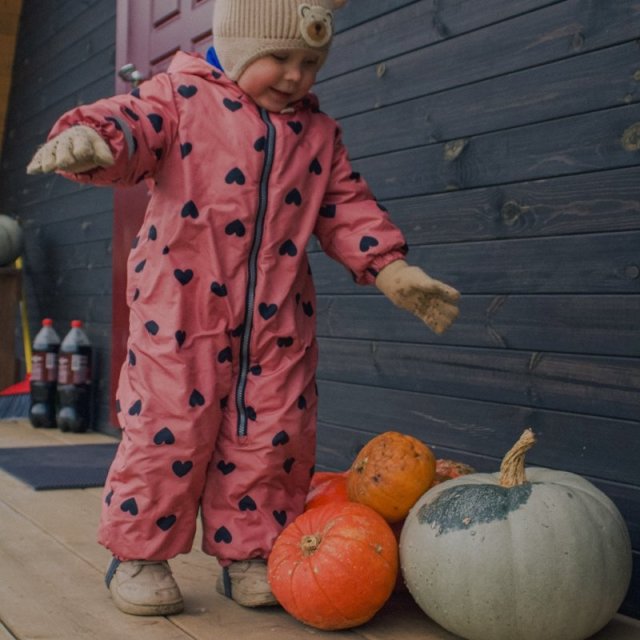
x=51, y=577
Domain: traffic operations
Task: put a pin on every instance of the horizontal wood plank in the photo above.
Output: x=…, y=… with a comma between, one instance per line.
x=577, y=144
x=581, y=84
x=411, y=25
x=583, y=203
x=588, y=324
x=578, y=443
x=603, y=386
x=589, y=264
x=552, y=33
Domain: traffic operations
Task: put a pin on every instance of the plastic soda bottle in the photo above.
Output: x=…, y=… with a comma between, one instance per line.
x=74, y=380
x=44, y=376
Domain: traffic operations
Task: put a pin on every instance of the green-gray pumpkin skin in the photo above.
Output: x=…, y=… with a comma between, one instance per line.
x=11, y=240
x=548, y=560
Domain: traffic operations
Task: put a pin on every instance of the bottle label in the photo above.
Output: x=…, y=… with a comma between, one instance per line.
x=44, y=366
x=74, y=368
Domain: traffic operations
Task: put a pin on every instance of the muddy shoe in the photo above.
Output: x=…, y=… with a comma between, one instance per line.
x=144, y=588
x=246, y=583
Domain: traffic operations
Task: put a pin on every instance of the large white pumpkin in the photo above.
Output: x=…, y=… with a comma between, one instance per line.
x=546, y=557
x=10, y=240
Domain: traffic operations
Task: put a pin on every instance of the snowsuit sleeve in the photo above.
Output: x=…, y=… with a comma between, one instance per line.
x=352, y=227
x=139, y=128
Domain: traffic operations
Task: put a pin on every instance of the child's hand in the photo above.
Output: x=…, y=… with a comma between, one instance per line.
x=410, y=288
x=75, y=150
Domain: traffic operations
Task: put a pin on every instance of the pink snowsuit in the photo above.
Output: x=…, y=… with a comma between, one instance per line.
x=217, y=400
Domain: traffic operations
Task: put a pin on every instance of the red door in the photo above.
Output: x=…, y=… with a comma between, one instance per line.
x=148, y=33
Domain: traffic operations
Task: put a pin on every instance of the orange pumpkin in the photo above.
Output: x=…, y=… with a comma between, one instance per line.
x=449, y=469
x=390, y=473
x=334, y=566
x=327, y=487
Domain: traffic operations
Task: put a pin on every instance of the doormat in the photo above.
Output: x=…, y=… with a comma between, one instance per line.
x=76, y=466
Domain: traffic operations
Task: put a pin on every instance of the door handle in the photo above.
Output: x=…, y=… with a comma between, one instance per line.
x=129, y=73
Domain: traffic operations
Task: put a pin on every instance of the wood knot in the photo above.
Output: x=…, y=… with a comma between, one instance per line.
x=510, y=212
x=453, y=149
x=631, y=137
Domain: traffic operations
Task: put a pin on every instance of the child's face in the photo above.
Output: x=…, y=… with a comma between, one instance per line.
x=279, y=79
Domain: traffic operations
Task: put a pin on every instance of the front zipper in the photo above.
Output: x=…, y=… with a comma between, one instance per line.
x=250, y=299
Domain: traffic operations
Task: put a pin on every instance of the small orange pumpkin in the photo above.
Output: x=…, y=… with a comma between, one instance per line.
x=390, y=473
x=327, y=487
x=335, y=566
x=449, y=469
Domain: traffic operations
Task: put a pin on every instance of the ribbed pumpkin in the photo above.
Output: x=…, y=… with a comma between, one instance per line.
x=334, y=566
x=390, y=473
x=327, y=487
x=11, y=240
x=505, y=556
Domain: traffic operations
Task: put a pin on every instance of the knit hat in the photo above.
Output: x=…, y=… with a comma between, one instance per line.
x=244, y=30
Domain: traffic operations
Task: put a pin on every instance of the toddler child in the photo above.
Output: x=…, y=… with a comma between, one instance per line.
x=217, y=398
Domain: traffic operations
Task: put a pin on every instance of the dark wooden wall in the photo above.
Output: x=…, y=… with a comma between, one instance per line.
x=504, y=138
x=64, y=57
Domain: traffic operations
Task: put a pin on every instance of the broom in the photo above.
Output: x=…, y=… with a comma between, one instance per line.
x=15, y=400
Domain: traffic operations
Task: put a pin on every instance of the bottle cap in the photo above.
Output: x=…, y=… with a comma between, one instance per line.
x=76, y=324
x=47, y=322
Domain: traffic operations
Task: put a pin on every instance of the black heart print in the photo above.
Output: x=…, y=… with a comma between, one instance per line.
x=285, y=342
x=307, y=307
x=187, y=91
x=156, y=121
x=153, y=233
x=181, y=468
x=130, y=506
x=108, y=497
x=132, y=358
x=185, y=149
x=140, y=266
x=367, y=242
x=225, y=355
x=183, y=277
x=196, y=399
x=247, y=504
x=232, y=105
x=131, y=114
x=267, y=310
x=223, y=535
x=152, y=327
x=135, y=408
x=190, y=210
x=288, y=464
x=260, y=144
x=302, y=403
x=293, y=197
x=288, y=248
x=296, y=126
x=235, y=228
x=235, y=176
x=328, y=211
x=166, y=522
x=181, y=336
x=164, y=436
x=315, y=167
x=281, y=438
x=219, y=289
x=281, y=517
x=226, y=467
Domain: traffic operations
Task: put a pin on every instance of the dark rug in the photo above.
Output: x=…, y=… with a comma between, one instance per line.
x=76, y=466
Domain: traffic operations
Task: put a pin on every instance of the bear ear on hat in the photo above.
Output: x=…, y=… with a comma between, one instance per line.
x=338, y=4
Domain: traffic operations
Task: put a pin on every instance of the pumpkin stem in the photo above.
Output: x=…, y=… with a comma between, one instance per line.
x=512, y=468
x=309, y=544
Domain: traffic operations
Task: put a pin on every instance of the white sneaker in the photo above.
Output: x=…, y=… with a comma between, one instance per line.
x=144, y=588
x=246, y=583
